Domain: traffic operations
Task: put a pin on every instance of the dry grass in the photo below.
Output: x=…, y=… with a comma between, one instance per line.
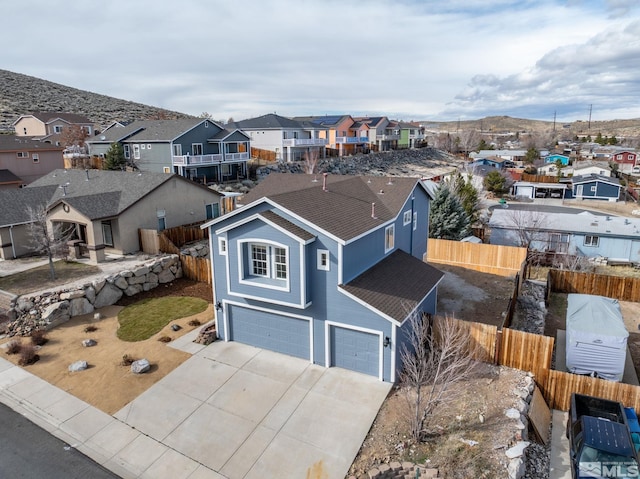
x=37, y=279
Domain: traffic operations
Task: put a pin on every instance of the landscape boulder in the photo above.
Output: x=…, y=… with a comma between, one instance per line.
x=81, y=306
x=108, y=295
x=56, y=313
x=78, y=366
x=87, y=343
x=140, y=366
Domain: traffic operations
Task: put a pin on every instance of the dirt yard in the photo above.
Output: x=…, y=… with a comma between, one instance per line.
x=489, y=394
x=473, y=296
x=107, y=384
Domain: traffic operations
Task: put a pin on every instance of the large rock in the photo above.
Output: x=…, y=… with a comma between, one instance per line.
x=140, y=366
x=90, y=294
x=71, y=295
x=136, y=279
x=141, y=271
x=152, y=278
x=56, y=313
x=78, y=366
x=517, y=450
x=166, y=276
x=98, y=284
x=107, y=296
x=81, y=306
x=121, y=282
x=133, y=289
x=24, y=304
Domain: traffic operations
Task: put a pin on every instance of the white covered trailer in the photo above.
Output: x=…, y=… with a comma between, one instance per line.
x=596, y=336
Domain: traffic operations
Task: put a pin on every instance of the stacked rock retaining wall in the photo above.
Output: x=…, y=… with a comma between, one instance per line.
x=49, y=309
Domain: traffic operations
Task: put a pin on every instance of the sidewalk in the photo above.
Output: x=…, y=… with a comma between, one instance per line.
x=105, y=439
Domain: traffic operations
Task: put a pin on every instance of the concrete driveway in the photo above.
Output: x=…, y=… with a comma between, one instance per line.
x=245, y=412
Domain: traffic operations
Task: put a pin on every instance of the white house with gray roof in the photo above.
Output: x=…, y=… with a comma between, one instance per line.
x=196, y=148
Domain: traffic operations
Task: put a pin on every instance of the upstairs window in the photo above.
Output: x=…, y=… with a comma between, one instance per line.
x=323, y=260
x=22, y=154
x=196, y=149
x=36, y=158
x=57, y=129
x=406, y=218
x=268, y=261
x=590, y=240
x=389, y=236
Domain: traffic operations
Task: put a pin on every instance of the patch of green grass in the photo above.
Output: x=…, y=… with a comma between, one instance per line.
x=142, y=320
x=39, y=278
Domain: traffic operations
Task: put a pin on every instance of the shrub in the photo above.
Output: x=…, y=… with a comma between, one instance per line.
x=90, y=329
x=14, y=346
x=164, y=339
x=194, y=323
x=39, y=337
x=28, y=355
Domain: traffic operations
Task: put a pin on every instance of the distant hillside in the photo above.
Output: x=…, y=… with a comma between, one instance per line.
x=23, y=94
x=507, y=124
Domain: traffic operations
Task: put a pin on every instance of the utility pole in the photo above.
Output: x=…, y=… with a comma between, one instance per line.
x=590, y=109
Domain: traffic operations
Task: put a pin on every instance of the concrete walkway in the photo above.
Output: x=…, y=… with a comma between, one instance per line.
x=559, y=466
x=230, y=411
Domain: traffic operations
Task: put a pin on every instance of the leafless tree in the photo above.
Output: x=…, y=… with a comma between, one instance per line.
x=73, y=135
x=528, y=225
x=50, y=241
x=572, y=262
x=437, y=354
x=469, y=139
x=311, y=157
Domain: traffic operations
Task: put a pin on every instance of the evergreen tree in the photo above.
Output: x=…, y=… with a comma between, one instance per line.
x=468, y=196
x=114, y=157
x=613, y=140
x=495, y=182
x=531, y=156
x=447, y=219
x=483, y=145
x=599, y=140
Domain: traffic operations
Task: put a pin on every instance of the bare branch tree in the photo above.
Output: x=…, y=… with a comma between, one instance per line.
x=52, y=242
x=469, y=139
x=528, y=225
x=438, y=353
x=311, y=160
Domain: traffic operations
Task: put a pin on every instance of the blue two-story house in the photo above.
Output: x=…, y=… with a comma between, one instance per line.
x=595, y=187
x=327, y=268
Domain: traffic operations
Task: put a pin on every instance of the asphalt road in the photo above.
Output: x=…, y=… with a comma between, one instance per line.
x=28, y=451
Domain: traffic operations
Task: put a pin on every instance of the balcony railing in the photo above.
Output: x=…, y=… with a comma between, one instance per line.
x=387, y=137
x=416, y=136
x=304, y=142
x=352, y=139
x=209, y=159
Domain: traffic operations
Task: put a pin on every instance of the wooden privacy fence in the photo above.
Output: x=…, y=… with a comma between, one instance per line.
x=486, y=258
x=180, y=235
x=616, y=287
x=483, y=338
x=539, y=178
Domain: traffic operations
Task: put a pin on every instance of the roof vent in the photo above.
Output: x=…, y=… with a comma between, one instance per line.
x=324, y=181
x=373, y=211
x=381, y=192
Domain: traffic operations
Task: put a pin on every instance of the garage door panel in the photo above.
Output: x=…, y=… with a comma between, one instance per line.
x=282, y=334
x=355, y=350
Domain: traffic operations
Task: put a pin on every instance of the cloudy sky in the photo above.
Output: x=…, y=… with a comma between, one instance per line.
x=407, y=59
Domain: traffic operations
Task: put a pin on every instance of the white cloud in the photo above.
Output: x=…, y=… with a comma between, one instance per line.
x=406, y=59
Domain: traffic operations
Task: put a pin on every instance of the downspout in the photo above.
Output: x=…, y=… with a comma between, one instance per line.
x=13, y=246
x=413, y=198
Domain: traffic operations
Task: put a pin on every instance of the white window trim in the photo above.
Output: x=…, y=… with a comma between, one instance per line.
x=324, y=254
x=595, y=241
x=270, y=264
x=148, y=146
x=193, y=147
x=222, y=246
x=35, y=157
x=136, y=152
x=415, y=221
x=389, y=233
x=406, y=218
x=593, y=189
x=22, y=154
x=166, y=169
x=143, y=146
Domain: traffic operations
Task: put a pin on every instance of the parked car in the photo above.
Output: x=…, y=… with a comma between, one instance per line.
x=600, y=443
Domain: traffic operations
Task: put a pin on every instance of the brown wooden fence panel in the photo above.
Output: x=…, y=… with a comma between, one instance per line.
x=539, y=178
x=149, y=242
x=617, y=287
x=197, y=269
x=560, y=385
x=483, y=339
x=486, y=258
x=266, y=155
x=166, y=245
x=180, y=235
x=528, y=352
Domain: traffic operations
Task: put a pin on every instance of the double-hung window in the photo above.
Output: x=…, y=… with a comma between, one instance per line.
x=591, y=240
x=268, y=261
x=389, y=234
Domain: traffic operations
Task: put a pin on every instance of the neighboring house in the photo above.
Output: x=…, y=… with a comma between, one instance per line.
x=584, y=234
x=15, y=237
x=342, y=133
x=291, y=140
x=516, y=156
x=48, y=126
x=625, y=160
x=555, y=158
x=327, y=269
x=383, y=133
x=106, y=208
x=587, y=168
x=196, y=148
x=410, y=135
x=526, y=189
x=28, y=159
x=9, y=181
x=492, y=162
x=595, y=187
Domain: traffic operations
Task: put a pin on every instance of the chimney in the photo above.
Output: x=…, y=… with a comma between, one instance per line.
x=324, y=181
x=373, y=210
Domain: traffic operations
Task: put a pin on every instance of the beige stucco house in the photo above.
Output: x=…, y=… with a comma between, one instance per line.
x=106, y=208
x=48, y=126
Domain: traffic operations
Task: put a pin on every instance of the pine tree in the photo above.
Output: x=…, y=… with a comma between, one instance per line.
x=114, y=157
x=448, y=219
x=468, y=196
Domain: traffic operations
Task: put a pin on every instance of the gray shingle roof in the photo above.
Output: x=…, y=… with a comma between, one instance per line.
x=287, y=225
x=16, y=203
x=21, y=143
x=395, y=285
x=594, y=177
x=47, y=116
x=266, y=122
x=149, y=130
x=6, y=176
x=345, y=208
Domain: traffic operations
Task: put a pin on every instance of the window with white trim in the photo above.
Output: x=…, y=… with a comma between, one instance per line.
x=593, y=189
x=406, y=218
x=149, y=146
x=22, y=154
x=415, y=221
x=196, y=149
x=268, y=261
x=36, y=158
x=389, y=236
x=127, y=153
x=143, y=146
x=166, y=169
x=57, y=129
x=136, y=152
x=591, y=240
x=323, y=260
x=222, y=246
